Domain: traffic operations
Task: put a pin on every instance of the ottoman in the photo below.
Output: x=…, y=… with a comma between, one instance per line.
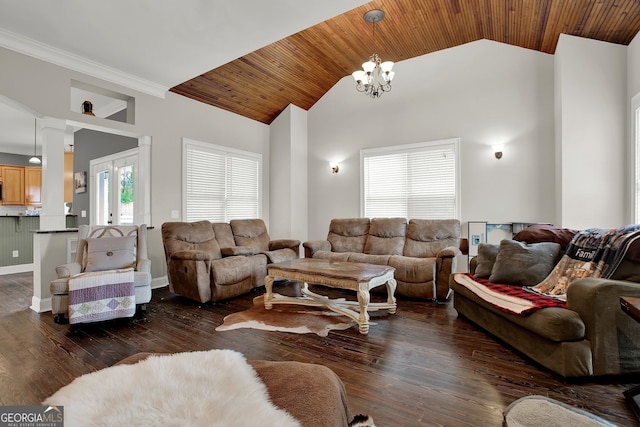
x=312, y=394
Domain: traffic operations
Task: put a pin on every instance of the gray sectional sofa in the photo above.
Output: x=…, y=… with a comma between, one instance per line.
x=423, y=252
x=592, y=336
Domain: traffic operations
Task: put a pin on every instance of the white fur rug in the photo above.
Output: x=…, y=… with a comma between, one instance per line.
x=204, y=388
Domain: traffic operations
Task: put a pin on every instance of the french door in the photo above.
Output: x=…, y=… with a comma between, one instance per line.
x=114, y=187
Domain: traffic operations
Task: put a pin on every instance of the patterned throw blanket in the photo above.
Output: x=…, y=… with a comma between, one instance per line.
x=101, y=295
x=591, y=253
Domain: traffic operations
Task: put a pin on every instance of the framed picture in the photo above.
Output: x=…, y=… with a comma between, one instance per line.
x=80, y=181
x=632, y=396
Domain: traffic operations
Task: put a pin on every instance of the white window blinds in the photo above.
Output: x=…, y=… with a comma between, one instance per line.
x=411, y=181
x=220, y=184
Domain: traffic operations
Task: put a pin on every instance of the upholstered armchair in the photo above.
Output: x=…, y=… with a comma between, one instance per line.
x=103, y=249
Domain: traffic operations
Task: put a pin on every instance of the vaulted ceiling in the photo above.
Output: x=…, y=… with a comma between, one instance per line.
x=255, y=57
x=301, y=68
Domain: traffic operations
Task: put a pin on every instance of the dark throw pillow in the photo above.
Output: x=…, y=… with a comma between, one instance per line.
x=524, y=264
x=486, y=258
x=546, y=233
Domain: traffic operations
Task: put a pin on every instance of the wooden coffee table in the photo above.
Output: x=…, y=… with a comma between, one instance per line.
x=358, y=277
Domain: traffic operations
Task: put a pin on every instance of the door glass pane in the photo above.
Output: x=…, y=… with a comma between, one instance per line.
x=126, y=193
x=102, y=198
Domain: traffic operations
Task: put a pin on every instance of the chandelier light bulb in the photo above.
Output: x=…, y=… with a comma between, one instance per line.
x=359, y=76
x=368, y=66
x=386, y=66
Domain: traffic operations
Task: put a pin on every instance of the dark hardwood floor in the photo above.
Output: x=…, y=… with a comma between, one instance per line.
x=423, y=366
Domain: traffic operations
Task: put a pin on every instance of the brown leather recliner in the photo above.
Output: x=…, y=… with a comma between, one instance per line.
x=215, y=261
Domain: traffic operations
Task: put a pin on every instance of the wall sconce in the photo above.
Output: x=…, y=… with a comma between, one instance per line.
x=497, y=151
x=335, y=167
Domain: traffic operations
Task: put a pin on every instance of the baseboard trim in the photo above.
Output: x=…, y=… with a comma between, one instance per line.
x=40, y=305
x=159, y=282
x=20, y=268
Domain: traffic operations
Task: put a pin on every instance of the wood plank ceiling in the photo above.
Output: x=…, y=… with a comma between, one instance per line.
x=301, y=68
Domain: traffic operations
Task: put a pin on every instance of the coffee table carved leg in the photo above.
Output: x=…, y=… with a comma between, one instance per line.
x=391, y=291
x=363, y=300
x=268, y=295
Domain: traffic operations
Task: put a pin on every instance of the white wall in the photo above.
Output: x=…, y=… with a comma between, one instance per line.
x=45, y=89
x=633, y=67
x=483, y=92
x=633, y=97
x=591, y=82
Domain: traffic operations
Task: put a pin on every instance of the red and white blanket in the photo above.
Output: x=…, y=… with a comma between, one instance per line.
x=508, y=298
x=101, y=295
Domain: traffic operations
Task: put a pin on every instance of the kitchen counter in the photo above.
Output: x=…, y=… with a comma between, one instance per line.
x=17, y=234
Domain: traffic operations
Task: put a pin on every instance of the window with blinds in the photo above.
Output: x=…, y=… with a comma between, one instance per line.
x=412, y=181
x=220, y=184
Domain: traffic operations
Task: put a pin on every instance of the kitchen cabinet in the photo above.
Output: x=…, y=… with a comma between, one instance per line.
x=33, y=186
x=68, y=177
x=13, y=185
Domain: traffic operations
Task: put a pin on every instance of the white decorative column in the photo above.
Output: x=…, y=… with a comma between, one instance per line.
x=288, y=174
x=53, y=216
x=49, y=249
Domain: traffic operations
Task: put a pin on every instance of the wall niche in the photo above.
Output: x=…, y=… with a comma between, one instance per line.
x=99, y=102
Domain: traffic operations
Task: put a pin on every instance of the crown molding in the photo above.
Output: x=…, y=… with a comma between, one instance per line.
x=53, y=55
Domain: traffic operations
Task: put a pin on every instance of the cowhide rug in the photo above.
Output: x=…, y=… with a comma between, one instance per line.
x=298, y=319
x=196, y=389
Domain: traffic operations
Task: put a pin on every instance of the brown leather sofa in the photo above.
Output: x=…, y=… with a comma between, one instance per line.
x=423, y=252
x=215, y=261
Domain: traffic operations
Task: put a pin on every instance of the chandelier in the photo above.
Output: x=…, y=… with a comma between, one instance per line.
x=375, y=77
